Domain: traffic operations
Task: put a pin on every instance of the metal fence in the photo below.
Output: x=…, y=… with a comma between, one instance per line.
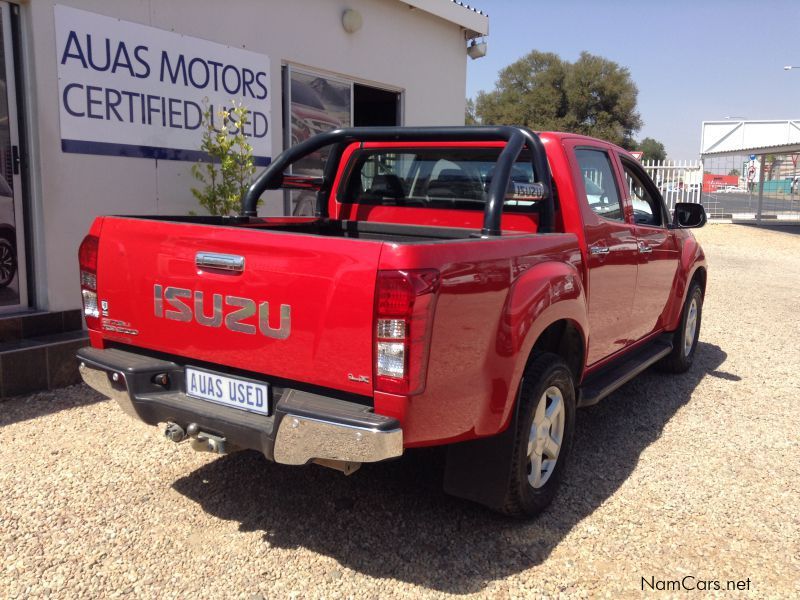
x=757, y=188
x=677, y=180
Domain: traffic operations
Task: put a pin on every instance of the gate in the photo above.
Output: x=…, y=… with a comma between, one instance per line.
x=751, y=169
x=677, y=180
x=762, y=188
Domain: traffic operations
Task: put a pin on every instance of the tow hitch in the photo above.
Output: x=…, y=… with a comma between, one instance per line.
x=201, y=441
x=174, y=432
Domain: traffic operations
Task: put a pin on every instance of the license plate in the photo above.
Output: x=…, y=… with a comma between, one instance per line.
x=228, y=391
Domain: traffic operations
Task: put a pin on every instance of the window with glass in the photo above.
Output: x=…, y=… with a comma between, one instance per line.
x=646, y=207
x=433, y=178
x=599, y=183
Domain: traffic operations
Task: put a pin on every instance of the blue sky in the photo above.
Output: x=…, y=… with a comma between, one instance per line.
x=692, y=61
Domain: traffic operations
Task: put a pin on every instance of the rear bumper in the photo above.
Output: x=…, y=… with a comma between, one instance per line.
x=302, y=426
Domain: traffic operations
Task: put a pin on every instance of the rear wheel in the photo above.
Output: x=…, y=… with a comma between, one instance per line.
x=544, y=435
x=8, y=262
x=684, y=340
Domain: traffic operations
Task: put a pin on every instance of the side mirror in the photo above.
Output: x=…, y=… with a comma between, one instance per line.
x=688, y=215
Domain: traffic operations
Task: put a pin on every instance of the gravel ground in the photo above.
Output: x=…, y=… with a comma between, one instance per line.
x=671, y=476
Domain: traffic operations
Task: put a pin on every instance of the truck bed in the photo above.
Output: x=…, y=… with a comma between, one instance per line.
x=366, y=230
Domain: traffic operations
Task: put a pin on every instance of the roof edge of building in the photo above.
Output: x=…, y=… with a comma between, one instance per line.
x=473, y=21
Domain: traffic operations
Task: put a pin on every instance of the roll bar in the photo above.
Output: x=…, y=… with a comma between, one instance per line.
x=516, y=139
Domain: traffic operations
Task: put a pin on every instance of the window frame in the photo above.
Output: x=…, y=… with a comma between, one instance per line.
x=614, y=175
x=631, y=163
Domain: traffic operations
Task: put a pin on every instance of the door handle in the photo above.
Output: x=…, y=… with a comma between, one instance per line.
x=224, y=262
x=644, y=248
x=599, y=250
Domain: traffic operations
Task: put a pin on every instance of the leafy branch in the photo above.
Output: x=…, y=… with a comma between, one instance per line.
x=227, y=172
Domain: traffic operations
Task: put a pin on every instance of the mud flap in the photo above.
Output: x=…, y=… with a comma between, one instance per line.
x=480, y=470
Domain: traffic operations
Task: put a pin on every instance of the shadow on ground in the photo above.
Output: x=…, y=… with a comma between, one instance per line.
x=782, y=227
x=40, y=404
x=392, y=519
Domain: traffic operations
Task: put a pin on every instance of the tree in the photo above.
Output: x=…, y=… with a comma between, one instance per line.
x=652, y=149
x=602, y=100
x=469, y=113
x=771, y=160
x=528, y=92
x=734, y=173
x=593, y=96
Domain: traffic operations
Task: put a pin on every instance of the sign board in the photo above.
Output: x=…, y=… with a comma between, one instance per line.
x=127, y=89
x=752, y=157
x=637, y=154
x=753, y=170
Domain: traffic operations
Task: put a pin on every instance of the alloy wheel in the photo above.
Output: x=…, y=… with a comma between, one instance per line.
x=690, y=329
x=546, y=436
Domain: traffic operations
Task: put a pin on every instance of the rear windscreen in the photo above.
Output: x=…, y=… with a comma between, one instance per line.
x=433, y=177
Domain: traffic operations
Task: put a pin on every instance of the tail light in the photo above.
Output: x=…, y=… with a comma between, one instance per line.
x=404, y=306
x=87, y=257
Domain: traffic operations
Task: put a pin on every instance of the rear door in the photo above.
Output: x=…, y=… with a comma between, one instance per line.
x=300, y=308
x=612, y=250
x=658, y=251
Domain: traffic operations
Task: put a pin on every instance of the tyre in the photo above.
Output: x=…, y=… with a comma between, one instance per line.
x=544, y=435
x=684, y=340
x=8, y=262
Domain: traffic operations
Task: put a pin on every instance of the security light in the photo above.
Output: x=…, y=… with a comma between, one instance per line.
x=351, y=20
x=476, y=49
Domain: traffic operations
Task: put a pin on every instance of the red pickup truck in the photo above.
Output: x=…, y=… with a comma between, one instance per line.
x=459, y=286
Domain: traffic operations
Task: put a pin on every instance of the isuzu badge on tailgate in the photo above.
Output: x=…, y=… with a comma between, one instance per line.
x=186, y=305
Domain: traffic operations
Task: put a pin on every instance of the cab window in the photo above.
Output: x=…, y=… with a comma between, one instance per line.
x=432, y=177
x=599, y=183
x=646, y=206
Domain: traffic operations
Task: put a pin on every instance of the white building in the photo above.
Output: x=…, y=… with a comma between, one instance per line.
x=100, y=103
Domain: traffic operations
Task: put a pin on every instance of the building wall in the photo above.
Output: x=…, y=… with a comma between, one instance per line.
x=398, y=47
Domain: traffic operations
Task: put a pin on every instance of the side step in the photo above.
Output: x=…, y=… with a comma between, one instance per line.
x=599, y=385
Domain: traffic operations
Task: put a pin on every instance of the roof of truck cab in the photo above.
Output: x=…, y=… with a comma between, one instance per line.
x=564, y=135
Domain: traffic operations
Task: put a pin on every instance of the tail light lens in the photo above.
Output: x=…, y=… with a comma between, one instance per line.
x=87, y=257
x=404, y=307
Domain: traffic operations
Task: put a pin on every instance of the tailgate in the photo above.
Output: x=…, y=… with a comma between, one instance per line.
x=303, y=304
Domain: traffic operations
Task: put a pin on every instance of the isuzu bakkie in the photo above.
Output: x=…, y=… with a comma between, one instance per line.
x=459, y=286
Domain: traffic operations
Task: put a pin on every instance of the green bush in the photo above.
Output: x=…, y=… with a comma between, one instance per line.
x=227, y=172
